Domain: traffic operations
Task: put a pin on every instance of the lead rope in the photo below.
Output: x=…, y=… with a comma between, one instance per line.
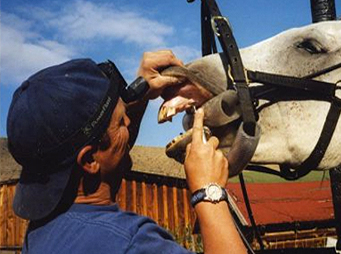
x=249, y=211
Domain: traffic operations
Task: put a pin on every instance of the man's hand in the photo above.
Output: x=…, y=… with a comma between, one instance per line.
x=151, y=65
x=204, y=164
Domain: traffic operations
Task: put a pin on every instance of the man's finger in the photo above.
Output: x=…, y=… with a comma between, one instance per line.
x=188, y=149
x=214, y=141
x=198, y=127
x=165, y=58
x=163, y=81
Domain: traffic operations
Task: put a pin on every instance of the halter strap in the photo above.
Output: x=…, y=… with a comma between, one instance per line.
x=223, y=31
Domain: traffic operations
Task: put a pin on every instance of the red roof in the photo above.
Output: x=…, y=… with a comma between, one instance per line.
x=274, y=203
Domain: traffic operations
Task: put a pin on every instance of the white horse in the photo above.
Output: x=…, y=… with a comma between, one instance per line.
x=289, y=129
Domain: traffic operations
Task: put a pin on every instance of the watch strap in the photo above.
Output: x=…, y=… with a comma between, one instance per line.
x=200, y=195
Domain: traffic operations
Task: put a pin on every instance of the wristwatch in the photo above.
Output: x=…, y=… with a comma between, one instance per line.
x=211, y=193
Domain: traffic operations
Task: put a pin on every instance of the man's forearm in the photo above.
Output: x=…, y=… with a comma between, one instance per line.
x=217, y=229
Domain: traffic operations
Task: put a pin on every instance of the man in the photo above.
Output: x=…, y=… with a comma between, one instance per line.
x=71, y=132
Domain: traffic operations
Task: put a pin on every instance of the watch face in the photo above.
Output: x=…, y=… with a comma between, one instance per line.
x=214, y=192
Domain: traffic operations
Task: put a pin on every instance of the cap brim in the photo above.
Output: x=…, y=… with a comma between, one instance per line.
x=36, y=196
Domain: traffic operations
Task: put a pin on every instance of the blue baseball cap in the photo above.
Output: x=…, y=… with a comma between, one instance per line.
x=53, y=114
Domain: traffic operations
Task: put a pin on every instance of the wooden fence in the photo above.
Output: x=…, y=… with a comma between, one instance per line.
x=12, y=228
x=164, y=199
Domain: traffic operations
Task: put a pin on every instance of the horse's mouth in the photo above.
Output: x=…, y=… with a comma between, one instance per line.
x=174, y=106
x=180, y=98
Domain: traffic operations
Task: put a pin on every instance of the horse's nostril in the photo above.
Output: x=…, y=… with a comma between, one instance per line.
x=187, y=121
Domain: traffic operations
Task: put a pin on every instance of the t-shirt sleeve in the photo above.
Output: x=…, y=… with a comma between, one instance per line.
x=151, y=238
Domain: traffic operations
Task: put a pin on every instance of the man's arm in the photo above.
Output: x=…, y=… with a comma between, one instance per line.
x=205, y=164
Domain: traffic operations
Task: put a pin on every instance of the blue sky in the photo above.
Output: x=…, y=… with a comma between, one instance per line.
x=39, y=33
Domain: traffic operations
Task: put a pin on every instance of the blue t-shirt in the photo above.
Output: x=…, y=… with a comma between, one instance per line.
x=100, y=229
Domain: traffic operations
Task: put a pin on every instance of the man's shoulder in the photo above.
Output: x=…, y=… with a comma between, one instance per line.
x=107, y=219
x=95, y=229
x=86, y=229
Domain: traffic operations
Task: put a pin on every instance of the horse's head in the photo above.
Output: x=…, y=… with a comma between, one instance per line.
x=289, y=128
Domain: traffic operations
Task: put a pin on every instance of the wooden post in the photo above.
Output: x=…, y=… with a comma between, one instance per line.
x=322, y=10
x=335, y=184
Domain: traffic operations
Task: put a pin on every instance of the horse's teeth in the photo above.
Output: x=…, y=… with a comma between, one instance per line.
x=171, y=111
x=163, y=114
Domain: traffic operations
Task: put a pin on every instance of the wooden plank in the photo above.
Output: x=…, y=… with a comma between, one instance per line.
x=150, y=201
x=306, y=243
x=154, y=202
x=144, y=199
x=186, y=217
x=175, y=207
x=165, y=207
x=18, y=239
x=122, y=195
x=181, y=221
x=160, y=202
x=10, y=219
x=170, y=209
x=139, y=203
x=3, y=214
x=23, y=224
x=186, y=207
x=134, y=199
x=129, y=198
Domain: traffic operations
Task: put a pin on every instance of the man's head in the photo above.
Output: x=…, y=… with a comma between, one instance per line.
x=106, y=154
x=53, y=116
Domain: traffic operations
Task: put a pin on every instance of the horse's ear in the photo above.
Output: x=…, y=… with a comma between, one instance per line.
x=85, y=159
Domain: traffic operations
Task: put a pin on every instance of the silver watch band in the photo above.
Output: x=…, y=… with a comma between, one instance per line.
x=211, y=193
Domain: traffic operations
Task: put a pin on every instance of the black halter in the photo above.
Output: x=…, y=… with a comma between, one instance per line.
x=274, y=87
x=283, y=88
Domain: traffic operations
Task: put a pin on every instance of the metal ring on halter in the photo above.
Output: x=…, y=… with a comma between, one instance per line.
x=214, y=26
x=230, y=76
x=248, y=81
x=335, y=97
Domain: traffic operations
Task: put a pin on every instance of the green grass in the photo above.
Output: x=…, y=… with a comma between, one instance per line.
x=257, y=177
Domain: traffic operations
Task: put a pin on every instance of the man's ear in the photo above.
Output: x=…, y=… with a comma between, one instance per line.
x=86, y=160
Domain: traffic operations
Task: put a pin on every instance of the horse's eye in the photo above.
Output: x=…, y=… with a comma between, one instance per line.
x=311, y=46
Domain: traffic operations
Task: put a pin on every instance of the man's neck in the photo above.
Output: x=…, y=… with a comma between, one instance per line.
x=102, y=195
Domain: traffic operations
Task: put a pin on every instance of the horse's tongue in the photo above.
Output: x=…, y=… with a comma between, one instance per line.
x=171, y=107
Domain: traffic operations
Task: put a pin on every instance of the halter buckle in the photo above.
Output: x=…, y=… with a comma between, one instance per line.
x=214, y=23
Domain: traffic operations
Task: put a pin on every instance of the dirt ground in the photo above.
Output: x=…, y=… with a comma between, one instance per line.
x=9, y=169
x=286, y=202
